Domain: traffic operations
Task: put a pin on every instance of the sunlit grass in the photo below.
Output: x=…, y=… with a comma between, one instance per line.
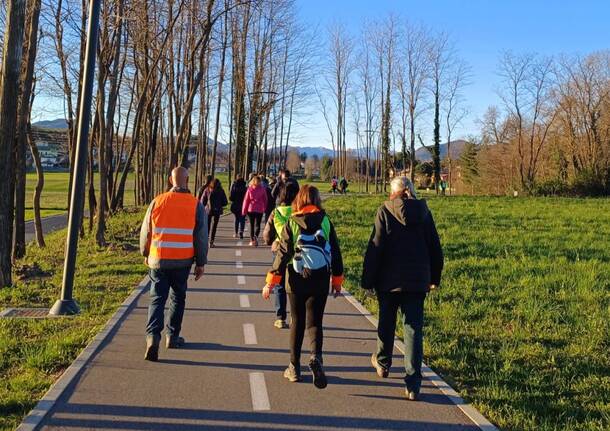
x=34, y=352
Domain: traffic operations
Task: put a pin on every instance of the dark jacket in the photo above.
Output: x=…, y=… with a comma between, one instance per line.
x=236, y=195
x=404, y=253
x=277, y=188
x=216, y=201
x=310, y=221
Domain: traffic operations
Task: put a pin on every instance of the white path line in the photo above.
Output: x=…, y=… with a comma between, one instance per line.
x=239, y=264
x=241, y=279
x=244, y=301
x=240, y=243
x=258, y=391
x=249, y=334
x=238, y=253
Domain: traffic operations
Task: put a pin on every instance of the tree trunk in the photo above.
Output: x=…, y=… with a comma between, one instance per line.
x=38, y=189
x=27, y=74
x=13, y=47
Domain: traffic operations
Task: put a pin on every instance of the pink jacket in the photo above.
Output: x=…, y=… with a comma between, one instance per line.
x=255, y=200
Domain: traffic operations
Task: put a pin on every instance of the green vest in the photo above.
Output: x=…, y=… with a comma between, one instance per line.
x=281, y=215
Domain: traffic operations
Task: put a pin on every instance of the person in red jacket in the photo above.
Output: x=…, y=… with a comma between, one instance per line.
x=254, y=206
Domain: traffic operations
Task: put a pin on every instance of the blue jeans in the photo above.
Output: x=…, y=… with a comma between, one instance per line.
x=280, y=301
x=412, y=311
x=164, y=283
x=240, y=223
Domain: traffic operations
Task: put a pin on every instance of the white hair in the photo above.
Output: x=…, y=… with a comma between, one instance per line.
x=401, y=185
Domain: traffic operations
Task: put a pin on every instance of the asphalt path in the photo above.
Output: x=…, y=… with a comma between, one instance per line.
x=49, y=224
x=229, y=375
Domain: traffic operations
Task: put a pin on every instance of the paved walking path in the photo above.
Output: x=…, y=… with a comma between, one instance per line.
x=229, y=376
x=49, y=224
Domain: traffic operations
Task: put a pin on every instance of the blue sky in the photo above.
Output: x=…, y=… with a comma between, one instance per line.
x=481, y=30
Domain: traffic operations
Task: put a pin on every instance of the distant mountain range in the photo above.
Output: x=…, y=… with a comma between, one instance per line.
x=58, y=124
x=457, y=147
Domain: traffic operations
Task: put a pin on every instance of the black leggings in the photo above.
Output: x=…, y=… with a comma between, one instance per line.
x=213, y=225
x=255, y=224
x=307, y=312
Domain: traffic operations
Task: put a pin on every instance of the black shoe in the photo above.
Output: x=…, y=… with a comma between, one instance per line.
x=174, y=342
x=292, y=373
x=241, y=235
x=319, y=378
x=381, y=370
x=152, y=348
x=411, y=395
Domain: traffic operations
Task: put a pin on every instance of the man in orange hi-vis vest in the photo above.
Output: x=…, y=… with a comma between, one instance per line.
x=174, y=234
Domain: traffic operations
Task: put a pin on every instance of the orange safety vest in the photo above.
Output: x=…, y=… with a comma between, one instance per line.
x=172, y=225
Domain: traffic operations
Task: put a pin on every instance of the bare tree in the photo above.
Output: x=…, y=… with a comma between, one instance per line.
x=11, y=64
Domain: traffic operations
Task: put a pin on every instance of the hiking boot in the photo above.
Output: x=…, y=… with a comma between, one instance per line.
x=411, y=395
x=292, y=373
x=280, y=324
x=152, y=348
x=172, y=342
x=381, y=370
x=319, y=378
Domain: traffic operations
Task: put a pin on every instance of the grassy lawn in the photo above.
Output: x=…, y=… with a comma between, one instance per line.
x=54, y=198
x=521, y=324
x=33, y=353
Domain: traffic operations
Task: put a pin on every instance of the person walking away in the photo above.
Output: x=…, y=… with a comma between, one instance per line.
x=403, y=262
x=204, y=190
x=333, y=185
x=443, y=187
x=217, y=200
x=270, y=200
x=236, y=196
x=174, y=234
x=254, y=206
x=284, y=178
x=309, y=256
x=343, y=185
x=271, y=235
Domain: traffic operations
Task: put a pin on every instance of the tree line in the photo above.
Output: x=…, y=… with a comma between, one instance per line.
x=174, y=78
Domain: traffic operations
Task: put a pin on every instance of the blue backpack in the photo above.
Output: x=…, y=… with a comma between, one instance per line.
x=311, y=251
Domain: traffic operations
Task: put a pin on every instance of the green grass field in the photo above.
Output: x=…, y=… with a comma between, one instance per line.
x=54, y=198
x=521, y=323
x=33, y=353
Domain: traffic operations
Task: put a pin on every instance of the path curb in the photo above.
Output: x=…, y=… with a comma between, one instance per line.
x=71, y=374
x=473, y=414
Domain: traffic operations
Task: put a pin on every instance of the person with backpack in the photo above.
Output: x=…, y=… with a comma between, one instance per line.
x=343, y=185
x=333, y=185
x=216, y=201
x=403, y=261
x=271, y=235
x=204, y=190
x=270, y=200
x=254, y=206
x=236, y=196
x=309, y=256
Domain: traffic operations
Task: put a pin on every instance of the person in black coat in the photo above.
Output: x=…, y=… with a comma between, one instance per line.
x=236, y=196
x=283, y=179
x=215, y=202
x=403, y=262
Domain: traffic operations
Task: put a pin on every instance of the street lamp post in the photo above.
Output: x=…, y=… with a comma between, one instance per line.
x=66, y=305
